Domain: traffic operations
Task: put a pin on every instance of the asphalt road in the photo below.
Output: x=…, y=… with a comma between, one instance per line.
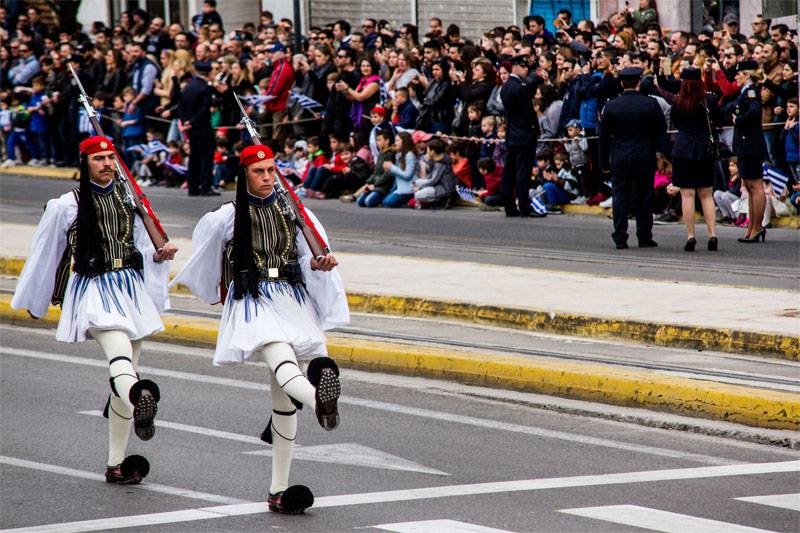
x=563, y=243
x=410, y=455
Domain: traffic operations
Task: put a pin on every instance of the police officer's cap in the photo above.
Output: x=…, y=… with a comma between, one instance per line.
x=746, y=65
x=631, y=73
x=690, y=74
x=202, y=66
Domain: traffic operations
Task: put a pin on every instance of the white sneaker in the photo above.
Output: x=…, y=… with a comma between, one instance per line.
x=606, y=203
x=8, y=163
x=35, y=163
x=580, y=200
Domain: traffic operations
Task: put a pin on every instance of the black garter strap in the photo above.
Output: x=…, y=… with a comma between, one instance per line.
x=283, y=363
x=284, y=413
x=120, y=358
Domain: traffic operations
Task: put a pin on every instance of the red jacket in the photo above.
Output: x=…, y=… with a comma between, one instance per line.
x=318, y=160
x=279, y=86
x=494, y=181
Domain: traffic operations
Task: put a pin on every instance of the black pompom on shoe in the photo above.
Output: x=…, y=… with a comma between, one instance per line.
x=294, y=500
x=130, y=472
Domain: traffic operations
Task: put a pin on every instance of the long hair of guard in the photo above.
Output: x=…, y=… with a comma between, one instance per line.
x=88, y=250
x=245, y=277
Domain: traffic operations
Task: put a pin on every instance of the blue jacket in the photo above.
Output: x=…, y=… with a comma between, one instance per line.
x=404, y=178
x=134, y=130
x=791, y=144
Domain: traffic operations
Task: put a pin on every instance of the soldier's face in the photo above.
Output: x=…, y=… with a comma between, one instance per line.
x=101, y=167
x=261, y=178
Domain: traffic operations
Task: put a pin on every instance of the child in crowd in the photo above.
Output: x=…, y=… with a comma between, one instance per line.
x=174, y=171
x=293, y=161
x=564, y=188
x=492, y=196
x=39, y=134
x=5, y=131
x=222, y=168
x=458, y=158
x=577, y=147
x=405, y=170
x=499, y=153
x=350, y=178
x=380, y=182
x=438, y=186
x=405, y=112
x=131, y=125
x=336, y=165
x=379, y=123
x=475, y=112
x=725, y=199
x=544, y=159
x=17, y=136
x=316, y=160
x=152, y=160
x=791, y=139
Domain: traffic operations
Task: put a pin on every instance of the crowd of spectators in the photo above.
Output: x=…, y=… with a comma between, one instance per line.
x=387, y=115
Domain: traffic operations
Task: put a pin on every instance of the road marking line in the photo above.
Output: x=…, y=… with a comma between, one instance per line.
x=426, y=493
x=345, y=453
x=783, y=501
x=656, y=520
x=154, y=487
x=405, y=410
x=438, y=526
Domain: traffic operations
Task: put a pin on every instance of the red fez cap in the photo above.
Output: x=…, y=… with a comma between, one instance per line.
x=379, y=110
x=96, y=143
x=255, y=153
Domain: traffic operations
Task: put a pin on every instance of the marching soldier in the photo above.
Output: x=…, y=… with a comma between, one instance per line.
x=92, y=255
x=278, y=298
x=631, y=127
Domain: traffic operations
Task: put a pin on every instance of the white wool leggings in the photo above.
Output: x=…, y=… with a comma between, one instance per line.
x=287, y=380
x=123, y=357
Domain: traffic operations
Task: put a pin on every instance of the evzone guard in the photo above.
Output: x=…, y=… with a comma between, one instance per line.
x=92, y=255
x=278, y=299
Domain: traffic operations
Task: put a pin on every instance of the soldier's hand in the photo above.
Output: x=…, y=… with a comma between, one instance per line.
x=325, y=263
x=165, y=253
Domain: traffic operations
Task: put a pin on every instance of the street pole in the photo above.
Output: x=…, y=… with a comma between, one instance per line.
x=297, y=28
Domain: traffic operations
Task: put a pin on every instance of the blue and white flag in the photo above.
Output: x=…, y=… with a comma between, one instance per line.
x=257, y=99
x=285, y=167
x=777, y=178
x=465, y=193
x=181, y=170
x=538, y=205
x=304, y=101
x=384, y=92
x=154, y=147
x=84, y=124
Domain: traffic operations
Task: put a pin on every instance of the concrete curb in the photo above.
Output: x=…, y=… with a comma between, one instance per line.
x=720, y=339
x=792, y=222
x=584, y=381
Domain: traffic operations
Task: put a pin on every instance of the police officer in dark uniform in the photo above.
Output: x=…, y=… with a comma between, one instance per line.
x=522, y=131
x=194, y=113
x=631, y=128
x=749, y=147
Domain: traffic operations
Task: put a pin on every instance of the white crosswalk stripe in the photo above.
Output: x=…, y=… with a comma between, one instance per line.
x=783, y=501
x=438, y=526
x=657, y=520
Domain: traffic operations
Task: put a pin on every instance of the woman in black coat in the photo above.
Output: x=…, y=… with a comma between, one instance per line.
x=437, y=111
x=479, y=89
x=692, y=114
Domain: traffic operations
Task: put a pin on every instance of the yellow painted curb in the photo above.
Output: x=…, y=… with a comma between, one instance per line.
x=697, y=338
x=724, y=340
x=585, y=381
x=42, y=172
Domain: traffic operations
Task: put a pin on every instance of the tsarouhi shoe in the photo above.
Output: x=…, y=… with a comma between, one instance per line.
x=144, y=396
x=294, y=500
x=323, y=373
x=130, y=472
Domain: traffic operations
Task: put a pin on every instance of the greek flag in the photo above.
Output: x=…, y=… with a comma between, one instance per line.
x=304, y=101
x=465, y=194
x=257, y=99
x=181, y=170
x=384, y=92
x=777, y=178
x=283, y=166
x=151, y=148
x=538, y=205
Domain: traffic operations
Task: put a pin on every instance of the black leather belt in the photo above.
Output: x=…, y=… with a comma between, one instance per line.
x=290, y=272
x=132, y=261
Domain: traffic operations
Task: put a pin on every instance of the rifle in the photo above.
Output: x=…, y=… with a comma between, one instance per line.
x=288, y=201
x=133, y=193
